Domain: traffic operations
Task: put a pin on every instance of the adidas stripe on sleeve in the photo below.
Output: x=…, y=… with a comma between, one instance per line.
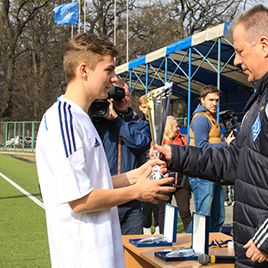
x=66, y=127
x=261, y=235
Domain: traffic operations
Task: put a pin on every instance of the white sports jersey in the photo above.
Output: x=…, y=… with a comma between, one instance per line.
x=71, y=162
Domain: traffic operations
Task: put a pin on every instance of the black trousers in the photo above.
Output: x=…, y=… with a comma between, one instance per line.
x=131, y=219
x=149, y=209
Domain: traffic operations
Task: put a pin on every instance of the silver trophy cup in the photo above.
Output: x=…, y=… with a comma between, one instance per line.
x=158, y=104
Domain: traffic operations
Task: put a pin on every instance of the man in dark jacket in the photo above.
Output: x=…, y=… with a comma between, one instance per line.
x=125, y=139
x=245, y=161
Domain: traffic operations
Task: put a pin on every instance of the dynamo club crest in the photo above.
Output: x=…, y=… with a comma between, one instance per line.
x=256, y=128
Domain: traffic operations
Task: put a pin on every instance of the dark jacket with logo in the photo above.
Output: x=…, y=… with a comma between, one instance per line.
x=245, y=163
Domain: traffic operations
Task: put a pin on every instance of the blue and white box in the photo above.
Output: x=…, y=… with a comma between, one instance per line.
x=169, y=234
x=199, y=246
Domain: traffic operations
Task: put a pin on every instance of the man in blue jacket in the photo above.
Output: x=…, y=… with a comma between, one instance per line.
x=125, y=139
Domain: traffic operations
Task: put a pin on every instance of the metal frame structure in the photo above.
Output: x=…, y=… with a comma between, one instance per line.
x=204, y=58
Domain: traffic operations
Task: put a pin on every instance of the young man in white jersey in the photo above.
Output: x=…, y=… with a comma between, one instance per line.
x=79, y=194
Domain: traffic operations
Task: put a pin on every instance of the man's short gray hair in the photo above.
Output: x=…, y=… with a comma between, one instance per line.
x=255, y=21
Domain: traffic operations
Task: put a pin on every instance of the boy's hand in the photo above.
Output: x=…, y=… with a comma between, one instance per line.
x=153, y=162
x=153, y=190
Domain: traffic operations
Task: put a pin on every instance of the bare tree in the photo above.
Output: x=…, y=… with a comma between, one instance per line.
x=43, y=78
x=154, y=26
x=197, y=15
x=32, y=44
x=15, y=17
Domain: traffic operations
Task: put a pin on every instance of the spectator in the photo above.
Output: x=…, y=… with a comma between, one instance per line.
x=228, y=195
x=77, y=188
x=182, y=194
x=245, y=161
x=125, y=139
x=205, y=132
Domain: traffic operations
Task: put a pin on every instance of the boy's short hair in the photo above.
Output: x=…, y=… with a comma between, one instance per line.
x=88, y=48
x=207, y=90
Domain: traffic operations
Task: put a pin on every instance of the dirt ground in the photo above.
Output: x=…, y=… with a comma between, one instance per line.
x=28, y=156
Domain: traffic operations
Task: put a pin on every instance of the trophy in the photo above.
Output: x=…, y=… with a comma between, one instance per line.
x=158, y=105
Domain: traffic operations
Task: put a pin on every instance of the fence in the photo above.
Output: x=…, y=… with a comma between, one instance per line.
x=18, y=135
x=21, y=135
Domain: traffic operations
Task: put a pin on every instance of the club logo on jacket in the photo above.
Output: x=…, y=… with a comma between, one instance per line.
x=97, y=144
x=256, y=128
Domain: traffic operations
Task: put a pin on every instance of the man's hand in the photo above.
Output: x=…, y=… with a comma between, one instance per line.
x=230, y=137
x=111, y=114
x=254, y=253
x=164, y=150
x=153, y=190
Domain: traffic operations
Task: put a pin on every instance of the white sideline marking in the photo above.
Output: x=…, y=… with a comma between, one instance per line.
x=35, y=200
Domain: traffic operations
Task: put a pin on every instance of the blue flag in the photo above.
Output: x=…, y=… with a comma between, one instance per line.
x=67, y=13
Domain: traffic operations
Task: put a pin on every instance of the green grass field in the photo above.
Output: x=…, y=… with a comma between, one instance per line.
x=22, y=222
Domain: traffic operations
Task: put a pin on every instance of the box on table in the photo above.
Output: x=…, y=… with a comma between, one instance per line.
x=169, y=234
x=199, y=242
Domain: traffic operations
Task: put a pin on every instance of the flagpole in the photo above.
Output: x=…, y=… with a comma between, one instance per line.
x=79, y=15
x=72, y=32
x=85, y=16
x=127, y=33
x=72, y=29
x=114, y=22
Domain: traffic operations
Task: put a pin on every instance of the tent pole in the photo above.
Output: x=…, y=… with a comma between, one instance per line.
x=189, y=92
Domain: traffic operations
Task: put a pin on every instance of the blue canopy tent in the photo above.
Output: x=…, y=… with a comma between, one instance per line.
x=204, y=58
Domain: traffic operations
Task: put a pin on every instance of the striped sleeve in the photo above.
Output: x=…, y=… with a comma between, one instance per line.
x=66, y=127
x=261, y=236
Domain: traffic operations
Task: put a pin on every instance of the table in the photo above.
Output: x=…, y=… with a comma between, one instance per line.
x=144, y=257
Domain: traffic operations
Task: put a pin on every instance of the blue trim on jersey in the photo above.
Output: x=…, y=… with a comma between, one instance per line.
x=67, y=128
x=72, y=128
x=61, y=128
x=45, y=121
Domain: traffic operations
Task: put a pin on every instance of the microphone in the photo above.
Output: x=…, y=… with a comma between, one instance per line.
x=205, y=259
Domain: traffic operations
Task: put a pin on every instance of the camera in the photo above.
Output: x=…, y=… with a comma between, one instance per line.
x=229, y=121
x=99, y=108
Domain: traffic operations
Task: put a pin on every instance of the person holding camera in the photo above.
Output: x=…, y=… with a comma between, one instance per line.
x=126, y=140
x=228, y=119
